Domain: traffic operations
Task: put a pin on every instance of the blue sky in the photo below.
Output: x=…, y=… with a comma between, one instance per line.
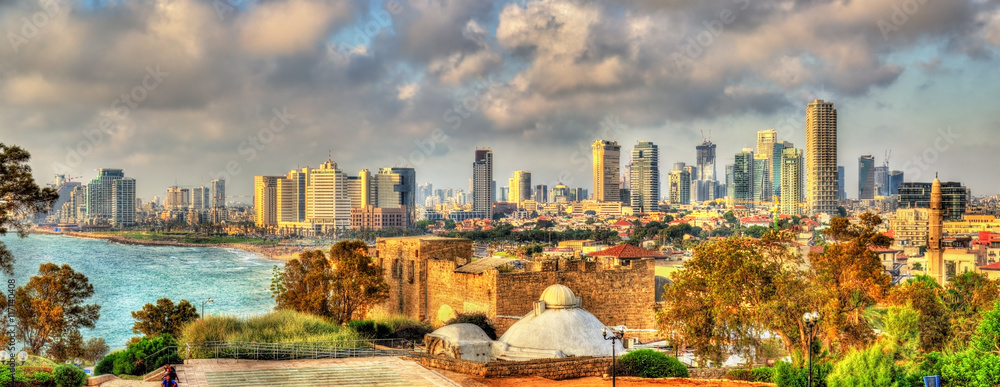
x=537, y=81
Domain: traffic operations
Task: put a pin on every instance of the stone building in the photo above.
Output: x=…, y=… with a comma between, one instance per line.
x=434, y=279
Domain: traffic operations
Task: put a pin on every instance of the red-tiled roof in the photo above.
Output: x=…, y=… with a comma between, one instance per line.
x=992, y=266
x=627, y=251
x=622, y=223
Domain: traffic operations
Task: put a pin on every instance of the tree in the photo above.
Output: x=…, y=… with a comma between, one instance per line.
x=544, y=224
x=755, y=231
x=49, y=308
x=730, y=218
x=357, y=283
x=21, y=198
x=164, y=317
x=340, y=287
x=922, y=294
x=95, y=349
x=449, y=224
x=304, y=285
x=848, y=278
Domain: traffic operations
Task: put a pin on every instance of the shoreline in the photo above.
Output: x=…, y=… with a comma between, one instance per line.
x=274, y=253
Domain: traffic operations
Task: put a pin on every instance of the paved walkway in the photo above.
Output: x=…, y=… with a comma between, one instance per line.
x=370, y=371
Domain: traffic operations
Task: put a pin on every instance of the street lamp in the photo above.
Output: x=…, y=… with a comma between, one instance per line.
x=22, y=356
x=811, y=319
x=209, y=300
x=616, y=335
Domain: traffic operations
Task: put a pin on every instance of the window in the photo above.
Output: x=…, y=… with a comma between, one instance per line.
x=413, y=270
x=396, y=269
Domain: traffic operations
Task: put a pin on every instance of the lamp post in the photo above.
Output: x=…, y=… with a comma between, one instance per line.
x=209, y=300
x=811, y=319
x=616, y=335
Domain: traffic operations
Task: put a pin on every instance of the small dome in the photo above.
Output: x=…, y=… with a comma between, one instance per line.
x=558, y=297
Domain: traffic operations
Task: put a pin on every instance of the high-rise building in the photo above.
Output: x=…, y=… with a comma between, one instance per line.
x=821, y=157
x=866, y=177
x=766, y=141
x=200, y=198
x=520, y=187
x=645, y=179
x=779, y=149
x=218, y=193
x=541, y=194
x=397, y=187
x=841, y=179
x=679, y=182
x=954, y=197
x=482, y=183
x=761, y=173
x=328, y=205
x=123, y=202
x=882, y=180
x=291, y=196
x=560, y=193
x=730, y=181
x=99, y=192
x=607, y=155
x=369, y=189
x=743, y=168
x=895, y=181
x=791, y=181
x=265, y=200
x=175, y=200
x=705, y=182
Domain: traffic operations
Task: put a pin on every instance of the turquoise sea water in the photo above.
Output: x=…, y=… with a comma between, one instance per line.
x=127, y=277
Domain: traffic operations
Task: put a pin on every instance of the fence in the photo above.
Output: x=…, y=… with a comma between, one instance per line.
x=294, y=351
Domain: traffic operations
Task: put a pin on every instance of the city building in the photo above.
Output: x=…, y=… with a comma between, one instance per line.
x=291, y=197
x=200, y=198
x=881, y=180
x=821, y=158
x=705, y=180
x=791, y=181
x=369, y=189
x=779, y=149
x=680, y=185
x=607, y=156
x=954, y=198
x=766, y=141
x=541, y=194
x=482, y=183
x=743, y=178
x=265, y=200
x=375, y=218
x=866, y=177
x=100, y=203
x=730, y=185
x=520, y=187
x=123, y=202
x=645, y=179
x=909, y=227
x=328, y=206
x=895, y=181
x=841, y=179
x=218, y=187
x=761, y=178
x=397, y=187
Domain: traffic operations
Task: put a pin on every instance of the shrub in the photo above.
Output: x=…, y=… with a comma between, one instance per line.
x=762, y=374
x=140, y=357
x=648, y=363
x=971, y=368
x=107, y=365
x=787, y=375
x=283, y=326
x=371, y=329
x=42, y=379
x=478, y=319
x=739, y=374
x=874, y=366
x=69, y=376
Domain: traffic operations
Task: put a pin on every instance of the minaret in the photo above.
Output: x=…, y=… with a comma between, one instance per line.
x=935, y=255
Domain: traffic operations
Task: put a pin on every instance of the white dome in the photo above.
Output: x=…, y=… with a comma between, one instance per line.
x=559, y=297
x=572, y=331
x=463, y=332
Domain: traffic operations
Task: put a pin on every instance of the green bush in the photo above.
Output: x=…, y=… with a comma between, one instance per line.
x=371, y=329
x=739, y=374
x=648, y=363
x=66, y=375
x=478, y=319
x=283, y=326
x=107, y=365
x=42, y=379
x=787, y=375
x=137, y=360
x=874, y=366
x=971, y=369
x=762, y=374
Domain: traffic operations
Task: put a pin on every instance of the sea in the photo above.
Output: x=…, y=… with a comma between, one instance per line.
x=126, y=277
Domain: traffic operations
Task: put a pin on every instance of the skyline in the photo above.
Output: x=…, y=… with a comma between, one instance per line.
x=201, y=83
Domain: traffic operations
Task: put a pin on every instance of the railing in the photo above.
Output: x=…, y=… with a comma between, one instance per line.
x=294, y=351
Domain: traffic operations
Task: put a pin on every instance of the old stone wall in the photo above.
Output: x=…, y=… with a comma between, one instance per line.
x=557, y=369
x=405, y=262
x=616, y=295
x=454, y=293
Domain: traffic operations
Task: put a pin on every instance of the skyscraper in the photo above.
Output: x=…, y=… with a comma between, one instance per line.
x=761, y=173
x=679, y=182
x=895, y=181
x=369, y=189
x=328, y=205
x=520, y=187
x=730, y=181
x=766, y=145
x=791, y=181
x=482, y=183
x=200, y=198
x=123, y=202
x=265, y=200
x=218, y=193
x=705, y=180
x=882, y=180
x=397, y=187
x=866, y=177
x=645, y=179
x=607, y=156
x=821, y=157
x=841, y=179
x=779, y=148
x=99, y=192
x=541, y=194
x=743, y=168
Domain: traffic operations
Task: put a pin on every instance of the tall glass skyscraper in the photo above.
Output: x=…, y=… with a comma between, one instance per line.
x=866, y=177
x=743, y=168
x=482, y=183
x=607, y=155
x=396, y=187
x=821, y=157
x=705, y=181
x=645, y=179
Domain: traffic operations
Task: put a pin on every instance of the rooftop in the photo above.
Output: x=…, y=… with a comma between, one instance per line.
x=481, y=265
x=627, y=251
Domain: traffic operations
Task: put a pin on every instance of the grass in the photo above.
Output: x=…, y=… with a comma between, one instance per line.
x=394, y=321
x=186, y=237
x=275, y=327
x=38, y=361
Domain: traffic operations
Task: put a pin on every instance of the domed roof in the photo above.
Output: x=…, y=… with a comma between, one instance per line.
x=463, y=332
x=573, y=331
x=559, y=297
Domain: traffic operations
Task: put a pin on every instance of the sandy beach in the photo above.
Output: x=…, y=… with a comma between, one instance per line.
x=277, y=253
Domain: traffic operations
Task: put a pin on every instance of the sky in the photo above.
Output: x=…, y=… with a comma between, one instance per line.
x=185, y=91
